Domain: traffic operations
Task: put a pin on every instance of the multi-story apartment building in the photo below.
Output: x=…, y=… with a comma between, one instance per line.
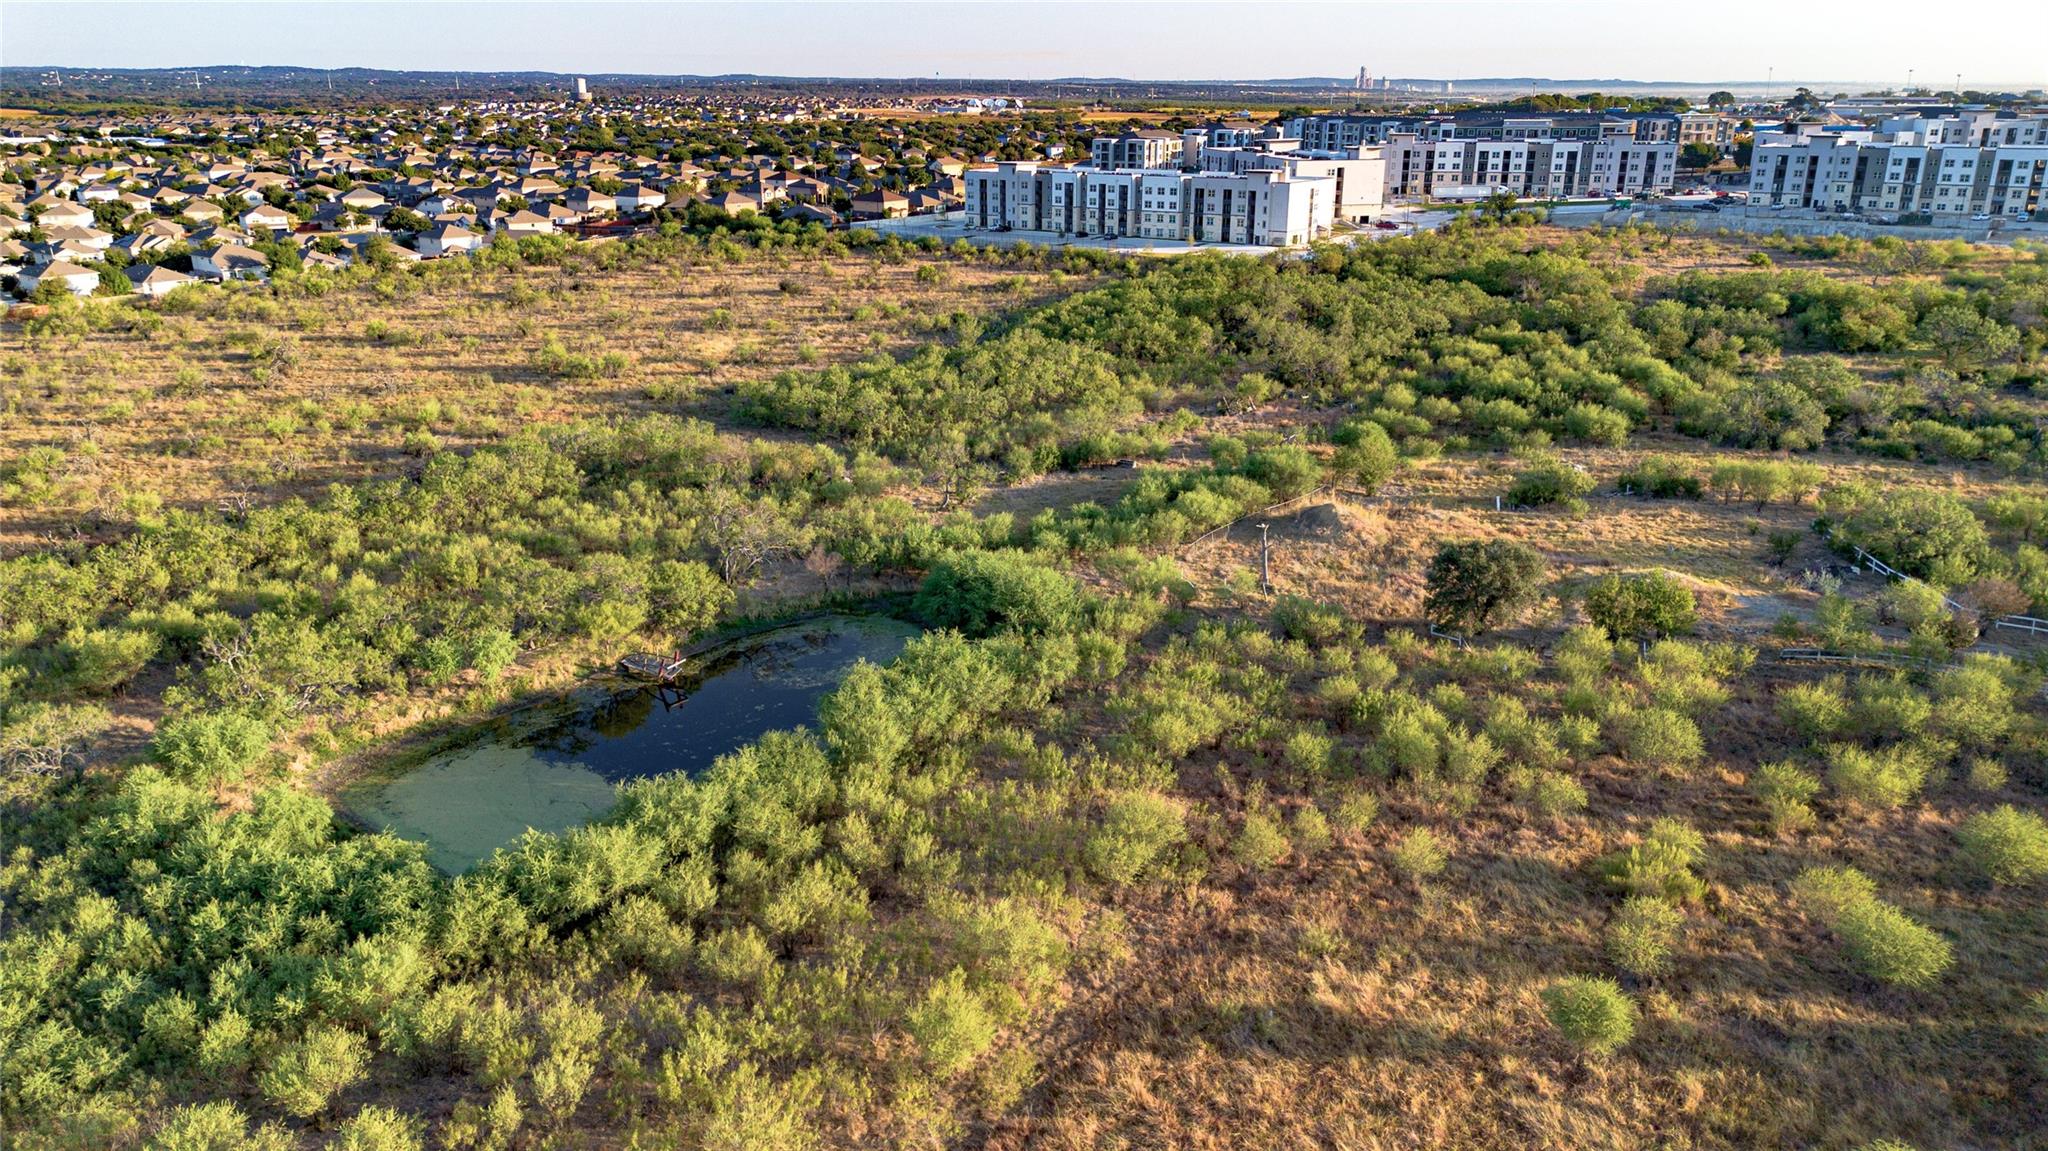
x=1976, y=164
x=1580, y=154
x=1359, y=173
x=1336, y=133
x=1709, y=128
x=1149, y=148
x=1538, y=168
x=1270, y=207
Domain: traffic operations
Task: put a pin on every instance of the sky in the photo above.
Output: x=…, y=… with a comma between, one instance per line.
x=1990, y=42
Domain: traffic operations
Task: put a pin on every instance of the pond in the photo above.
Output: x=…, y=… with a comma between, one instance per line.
x=553, y=765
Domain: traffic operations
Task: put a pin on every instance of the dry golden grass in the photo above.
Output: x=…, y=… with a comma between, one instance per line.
x=1370, y=556
x=189, y=416
x=1329, y=1002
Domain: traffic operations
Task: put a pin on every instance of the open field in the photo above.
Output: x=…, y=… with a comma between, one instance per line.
x=1127, y=851
x=261, y=397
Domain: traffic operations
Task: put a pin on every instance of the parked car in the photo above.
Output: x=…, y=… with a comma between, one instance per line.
x=1981, y=217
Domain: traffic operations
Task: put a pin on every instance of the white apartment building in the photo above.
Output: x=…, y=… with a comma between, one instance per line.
x=1538, y=168
x=1537, y=156
x=1270, y=207
x=1150, y=148
x=1360, y=172
x=1948, y=166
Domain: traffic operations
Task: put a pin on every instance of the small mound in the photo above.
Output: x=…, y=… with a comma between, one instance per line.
x=1318, y=521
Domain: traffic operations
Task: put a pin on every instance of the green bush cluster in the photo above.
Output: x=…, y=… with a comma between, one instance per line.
x=2006, y=844
x=1882, y=941
x=1592, y=1014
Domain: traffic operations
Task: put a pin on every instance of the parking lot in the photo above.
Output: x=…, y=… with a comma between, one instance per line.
x=950, y=226
x=1796, y=222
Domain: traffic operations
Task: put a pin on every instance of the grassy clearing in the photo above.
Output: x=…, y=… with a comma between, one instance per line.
x=199, y=411
x=1154, y=857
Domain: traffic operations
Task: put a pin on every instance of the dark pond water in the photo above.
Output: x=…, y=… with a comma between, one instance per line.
x=554, y=765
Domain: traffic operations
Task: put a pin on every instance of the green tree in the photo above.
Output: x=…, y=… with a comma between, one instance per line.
x=1773, y=412
x=43, y=739
x=1474, y=585
x=982, y=593
x=1370, y=459
x=1647, y=606
x=952, y=1025
x=1137, y=828
x=1551, y=482
x=1964, y=339
x=685, y=597
x=1924, y=533
x=1260, y=842
x=1420, y=855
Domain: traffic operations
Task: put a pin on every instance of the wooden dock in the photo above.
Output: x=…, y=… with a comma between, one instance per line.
x=657, y=668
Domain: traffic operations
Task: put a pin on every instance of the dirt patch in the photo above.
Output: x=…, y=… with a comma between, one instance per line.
x=1058, y=491
x=1320, y=522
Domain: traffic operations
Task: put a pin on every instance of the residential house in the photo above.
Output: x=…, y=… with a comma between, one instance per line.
x=881, y=204
x=811, y=214
x=585, y=202
x=74, y=279
x=91, y=239
x=734, y=203
x=341, y=218
x=268, y=219
x=524, y=223
x=232, y=262
x=639, y=198
x=153, y=281
x=326, y=261
x=809, y=190
x=65, y=215
x=64, y=251
x=924, y=200
x=447, y=239
x=139, y=244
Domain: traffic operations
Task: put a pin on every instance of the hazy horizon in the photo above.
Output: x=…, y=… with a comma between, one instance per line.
x=1740, y=41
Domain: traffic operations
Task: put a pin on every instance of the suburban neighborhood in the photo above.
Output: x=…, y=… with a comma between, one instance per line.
x=149, y=205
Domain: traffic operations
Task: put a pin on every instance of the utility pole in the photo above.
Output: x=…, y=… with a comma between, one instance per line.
x=1265, y=561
